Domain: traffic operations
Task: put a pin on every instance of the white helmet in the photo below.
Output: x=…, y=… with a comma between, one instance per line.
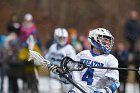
x=61, y=36
x=28, y=17
x=98, y=38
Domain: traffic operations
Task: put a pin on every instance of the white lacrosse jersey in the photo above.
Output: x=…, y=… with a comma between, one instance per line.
x=55, y=55
x=95, y=78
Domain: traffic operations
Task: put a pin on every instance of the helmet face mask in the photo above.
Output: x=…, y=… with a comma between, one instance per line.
x=101, y=39
x=61, y=36
x=61, y=40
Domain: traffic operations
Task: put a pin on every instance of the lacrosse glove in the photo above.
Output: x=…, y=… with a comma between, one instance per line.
x=65, y=81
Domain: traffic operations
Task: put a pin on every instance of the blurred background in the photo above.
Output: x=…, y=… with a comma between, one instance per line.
x=121, y=17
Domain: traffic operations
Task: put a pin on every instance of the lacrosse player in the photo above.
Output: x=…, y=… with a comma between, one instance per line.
x=98, y=80
x=56, y=53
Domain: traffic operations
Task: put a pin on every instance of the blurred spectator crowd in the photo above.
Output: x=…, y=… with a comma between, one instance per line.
x=14, y=55
x=14, y=52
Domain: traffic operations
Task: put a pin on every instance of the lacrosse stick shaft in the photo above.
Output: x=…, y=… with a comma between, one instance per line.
x=80, y=66
x=70, y=80
x=113, y=68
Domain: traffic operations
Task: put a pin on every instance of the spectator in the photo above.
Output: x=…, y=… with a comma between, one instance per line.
x=84, y=41
x=132, y=29
x=2, y=61
x=73, y=40
x=13, y=25
x=122, y=55
x=13, y=69
x=11, y=44
x=28, y=28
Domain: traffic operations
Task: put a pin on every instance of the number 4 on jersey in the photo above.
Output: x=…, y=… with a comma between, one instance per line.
x=88, y=76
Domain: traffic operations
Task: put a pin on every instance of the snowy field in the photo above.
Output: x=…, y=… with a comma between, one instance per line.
x=43, y=86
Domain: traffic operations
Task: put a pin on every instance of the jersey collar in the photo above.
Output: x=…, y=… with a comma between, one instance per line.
x=93, y=54
x=59, y=46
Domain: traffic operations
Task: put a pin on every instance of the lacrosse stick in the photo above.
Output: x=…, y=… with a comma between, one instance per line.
x=68, y=65
x=39, y=60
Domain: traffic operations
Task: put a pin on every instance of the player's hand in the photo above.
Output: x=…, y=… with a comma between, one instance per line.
x=139, y=71
x=65, y=81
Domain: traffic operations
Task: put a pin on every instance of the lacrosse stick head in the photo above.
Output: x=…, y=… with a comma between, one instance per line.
x=68, y=65
x=37, y=58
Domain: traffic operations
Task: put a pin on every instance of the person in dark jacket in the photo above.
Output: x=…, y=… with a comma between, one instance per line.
x=13, y=26
x=132, y=29
x=122, y=55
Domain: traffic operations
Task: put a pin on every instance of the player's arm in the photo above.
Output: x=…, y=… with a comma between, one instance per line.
x=112, y=82
x=109, y=85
